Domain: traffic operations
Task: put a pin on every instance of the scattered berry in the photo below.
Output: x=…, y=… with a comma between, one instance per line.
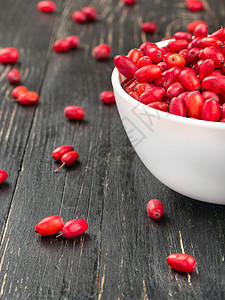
x=90, y=13
x=13, y=76
x=107, y=97
x=74, y=112
x=101, y=52
x=19, y=90
x=74, y=41
x=9, y=55
x=62, y=45
x=74, y=228
x=129, y=2
x=60, y=151
x=50, y=225
x=149, y=27
x=194, y=5
x=28, y=98
x=155, y=209
x=191, y=26
x=68, y=159
x=46, y=6
x=3, y=176
x=181, y=262
x=79, y=16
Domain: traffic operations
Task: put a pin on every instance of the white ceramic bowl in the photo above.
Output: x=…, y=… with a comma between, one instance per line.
x=187, y=155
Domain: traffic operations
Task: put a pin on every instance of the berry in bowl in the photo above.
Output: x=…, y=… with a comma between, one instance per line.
x=171, y=100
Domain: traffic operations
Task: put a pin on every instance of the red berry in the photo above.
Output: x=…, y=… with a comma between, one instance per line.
x=206, y=68
x=149, y=27
x=194, y=103
x=201, y=30
x=3, y=176
x=13, y=76
x=155, y=54
x=90, y=13
x=61, y=45
x=49, y=225
x=129, y=2
x=191, y=26
x=210, y=111
x=101, y=52
x=176, y=60
x=155, y=209
x=189, y=80
x=125, y=66
x=28, y=98
x=73, y=112
x=134, y=55
x=107, y=97
x=60, y=151
x=9, y=55
x=181, y=262
x=214, y=83
x=177, y=107
x=19, y=90
x=180, y=35
x=148, y=73
x=159, y=105
x=46, y=6
x=79, y=16
x=74, y=228
x=154, y=94
x=68, y=159
x=74, y=41
x=194, y=5
x=210, y=95
x=177, y=45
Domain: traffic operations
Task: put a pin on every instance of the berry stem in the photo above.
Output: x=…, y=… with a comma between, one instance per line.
x=56, y=170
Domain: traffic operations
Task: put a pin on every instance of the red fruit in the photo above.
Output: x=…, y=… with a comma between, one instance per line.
x=190, y=80
x=28, y=98
x=140, y=88
x=46, y=6
x=214, y=83
x=9, y=55
x=143, y=48
x=177, y=46
x=60, y=151
x=214, y=54
x=180, y=35
x=79, y=16
x=201, y=30
x=129, y=2
x=125, y=66
x=206, y=68
x=155, y=54
x=174, y=90
x=68, y=159
x=210, y=111
x=90, y=12
x=74, y=41
x=222, y=113
x=3, y=176
x=19, y=90
x=184, y=54
x=159, y=105
x=176, y=60
x=168, y=77
x=163, y=66
x=210, y=95
x=194, y=103
x=129, y=84
x=210, y=42
x=74, y=228
x=193, y=55
x=154, y=94
x=148, y=73
x=61, y=45
x=220, y=34
x=149, y=27
x=13, y=76
x=101, y=52
x=107, y=97
x=177, y=107
x=181, y=262
x=73, y=112
x=194, y=5
x=144, y=61
x=191, y=26
x=155, y=209
x=134, y=95
x=49, y=225
x=134, y=55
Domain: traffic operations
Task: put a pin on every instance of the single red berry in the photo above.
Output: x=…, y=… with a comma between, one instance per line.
x=134, y=55
x=159, y=105
x=210, y=111
x=3, y=176
x=90, y=12
x=144, y=61
x=74, y=228
x=19, y=90
x=193, y=104
x=155, y=209
x=201, y=30
x=28, y=98
x=156, y=54
x=68, y=159
x=61, y=45
x=180, y=35
x=73, y=112
x=177, y=45
x=107, y=97
x=177, y=107
x=49, y=225
x=13, y=76
x=79, y=16
x=46, y=6
x=73, y=40
x=101, y=52
x=125, y=66
x=176, y=60
x=181, y=262
x=194, y=5
x=191, y=26
x=149, y=27
x=60, y=151
x=148, y=73
x=210, y=95
x=9, y=55
x=129, y=2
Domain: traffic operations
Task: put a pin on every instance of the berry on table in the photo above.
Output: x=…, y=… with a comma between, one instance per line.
x=101, y=52
x=90, y=12
x=74, y=228
x=13, y=76
x=181, y=262
x=9, y=55
x=19, y=90
x=155, y=209
x=107, y=97
x=73, y=112
x=79, y=16
x=62, y=45
x=149, y=27
x=60, y=151
x=3, y=176
x=50, y=225
x=46, y=6
x=68, y=159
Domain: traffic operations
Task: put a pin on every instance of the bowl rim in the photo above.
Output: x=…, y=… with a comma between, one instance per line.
x=116, y=83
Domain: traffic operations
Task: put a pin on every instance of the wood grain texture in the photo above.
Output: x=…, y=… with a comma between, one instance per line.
x=123, y=253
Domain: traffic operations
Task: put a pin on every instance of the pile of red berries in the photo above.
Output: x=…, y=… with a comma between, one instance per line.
x=185, y=78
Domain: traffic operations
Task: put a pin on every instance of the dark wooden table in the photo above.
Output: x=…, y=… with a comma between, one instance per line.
x=123, y=253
